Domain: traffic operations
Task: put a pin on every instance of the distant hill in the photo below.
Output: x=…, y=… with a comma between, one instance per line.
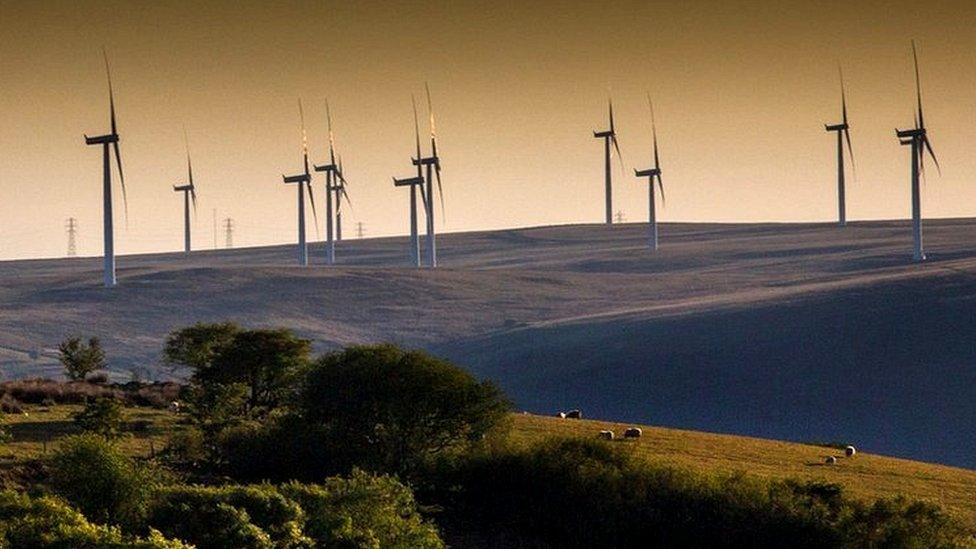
x=789, y=331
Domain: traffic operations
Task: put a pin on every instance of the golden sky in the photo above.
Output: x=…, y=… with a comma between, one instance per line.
x=741, y=89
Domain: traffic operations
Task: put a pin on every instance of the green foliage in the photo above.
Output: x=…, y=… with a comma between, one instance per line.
x=358, y=511
x=106, y=485
x=386, y=409
x=49, y=522
x=195, y=347
x=101, y=416
x=583, y=493
x=230, y=516
x=80, y=360
x=5, y=435
x=363, y=511
x=236, y=373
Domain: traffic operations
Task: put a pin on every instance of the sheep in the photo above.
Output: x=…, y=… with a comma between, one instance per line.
x=561, y=415
x=174, y=407
x=574, y=414
x=606, y=435
x=850, y=451
x=633, y=432
x=831, y=460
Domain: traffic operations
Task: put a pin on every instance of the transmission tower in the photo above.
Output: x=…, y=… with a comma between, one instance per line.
x=359, y=229
x=228, y=233
x=72, y=227
x=620, y=216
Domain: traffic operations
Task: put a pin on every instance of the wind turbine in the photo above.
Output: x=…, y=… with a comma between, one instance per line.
x=414, y=183
x=340, y=193
x=918, y=139
x=651, y=174
x=303, y=180
x=843, y=131
x=333, y=174
x=433, y=166
x=106, y=141
x=608, y=137
x=189, y=194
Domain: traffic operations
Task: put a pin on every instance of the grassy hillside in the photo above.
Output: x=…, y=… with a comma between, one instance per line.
x=865, y=475
x=870, y=476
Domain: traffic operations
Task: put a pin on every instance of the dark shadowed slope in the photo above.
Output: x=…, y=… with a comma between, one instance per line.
x=801, y=332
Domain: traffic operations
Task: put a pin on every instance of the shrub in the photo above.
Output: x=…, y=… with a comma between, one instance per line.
x=387, y=409
x=50, y=522
x=362, y=511
x=229, y=516
x=5, y=435
x=102, y=482
x=80, y=359
x=585, y=493
x=101, y=416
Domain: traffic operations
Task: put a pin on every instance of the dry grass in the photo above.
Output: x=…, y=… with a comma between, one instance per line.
x=39, y=430
x=865, y=475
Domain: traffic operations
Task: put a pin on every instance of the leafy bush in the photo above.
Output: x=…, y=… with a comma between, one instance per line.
x=387, y=409
x=362, y=511
x=80, y=359
x=101, y=416
x=358, y=511
x=50, y=522
x=107, y=486
x=584, y=493
x=229, y=516
x=49, y=392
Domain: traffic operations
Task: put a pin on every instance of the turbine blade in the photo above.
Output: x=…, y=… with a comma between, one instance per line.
x=440, y=189
x=843, y=96
x=660, y=183
x=620, y=156
x=423, y=199
x=610, y=104
x=650, y=104
x=189, y=164
x=918, y=87
x=430, y=109
x=928, y=147
x=850, y=151
x=193, y=198
x=315, y=214
x=328, y=115
x=115, y=132
x=416, y=131
x=342, y=189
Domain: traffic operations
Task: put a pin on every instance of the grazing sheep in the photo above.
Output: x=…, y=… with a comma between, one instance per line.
x=633, y=432
x=850, y=451
x=561, y=415
x=174, y=407
x=606, y=435
x=831, y=460
x=574, y=414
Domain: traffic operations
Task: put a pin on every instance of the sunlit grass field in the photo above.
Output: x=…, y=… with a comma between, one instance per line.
x=869, y=476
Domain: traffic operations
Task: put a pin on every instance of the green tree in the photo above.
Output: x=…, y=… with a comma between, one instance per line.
x=101, y=416
x=80, y=359
x=195, y=347
x=266, y=362
x=387, y=409
x=106, y=485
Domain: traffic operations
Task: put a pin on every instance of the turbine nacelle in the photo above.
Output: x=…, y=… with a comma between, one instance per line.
x=300, y=178
x=653, y=172
x=102, y=139
x=326, y=168
x=182, y=188
x=910, y=134
x=428, y=161
x=604, y=135
x=408, y=181
x=836, y=127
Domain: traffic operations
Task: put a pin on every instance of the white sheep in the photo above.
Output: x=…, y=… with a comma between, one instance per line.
x=633, y=432
x=606, y=435
x=174, y=407
x=850, y=451
x=831, y=460
x=561, y=415
x=574, y=414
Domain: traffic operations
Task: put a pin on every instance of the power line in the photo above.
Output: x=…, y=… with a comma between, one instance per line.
x=72, y=227
x=228, y=233
x=620, y=216
x=359, y=229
